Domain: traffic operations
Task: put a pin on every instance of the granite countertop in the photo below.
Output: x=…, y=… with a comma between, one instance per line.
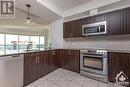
x=24, y=52
x=119, y=51
x=30, y=51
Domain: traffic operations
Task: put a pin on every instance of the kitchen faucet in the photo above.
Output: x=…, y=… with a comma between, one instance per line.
x=29, y=45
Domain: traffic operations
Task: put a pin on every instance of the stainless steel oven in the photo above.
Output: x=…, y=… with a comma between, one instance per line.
x=94, y=28
x=94, y=64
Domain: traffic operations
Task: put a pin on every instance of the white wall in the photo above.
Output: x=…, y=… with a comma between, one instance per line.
x=100, y=42
x=56, y=34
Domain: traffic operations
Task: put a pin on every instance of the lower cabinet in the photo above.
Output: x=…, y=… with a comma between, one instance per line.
x=118, y=62
x=69, y=59
x=51, y=60
x=37, y=64
x=32, y=71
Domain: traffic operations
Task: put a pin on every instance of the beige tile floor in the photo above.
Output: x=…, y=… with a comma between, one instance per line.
x=65, y=78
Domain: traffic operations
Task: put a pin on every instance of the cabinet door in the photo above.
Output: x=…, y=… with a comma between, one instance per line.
x=100, y=18
x=33, y=67
x=127, y=21
x=87, y=20
x=48, y=62
x=39, y=65
x=43, y=65
x=53, y=59
x=64, y=59
x=68, y=30
x=115, y=23
x=118, y=62
x=27, y=65
x=77, y=29
x=76, y=61
x=69, y=60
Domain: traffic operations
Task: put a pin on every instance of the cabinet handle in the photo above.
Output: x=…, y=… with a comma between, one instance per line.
x=16, y=55
x=36, y=60
x=53, y=52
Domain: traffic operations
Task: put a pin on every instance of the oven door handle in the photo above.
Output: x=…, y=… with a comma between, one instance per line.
x=94, y=56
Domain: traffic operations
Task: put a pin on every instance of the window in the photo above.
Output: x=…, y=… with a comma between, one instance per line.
x=2, y=41
x=42, y=43
x=11, y=43
x=35, y=42
x=23, y=42
x=18, y=43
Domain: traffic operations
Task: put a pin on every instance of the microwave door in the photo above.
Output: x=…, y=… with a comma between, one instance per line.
x=91, y=30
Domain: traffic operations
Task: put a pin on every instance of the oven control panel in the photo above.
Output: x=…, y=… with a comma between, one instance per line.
x=101, y=52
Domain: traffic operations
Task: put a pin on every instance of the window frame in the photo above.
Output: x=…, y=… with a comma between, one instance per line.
x=18, y=36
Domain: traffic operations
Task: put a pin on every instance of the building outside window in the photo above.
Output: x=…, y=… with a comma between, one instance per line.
x=18, y=43
x=11, y=43
x=2, y=41
x=23, y=42
x=35, y=42
x=42, y=42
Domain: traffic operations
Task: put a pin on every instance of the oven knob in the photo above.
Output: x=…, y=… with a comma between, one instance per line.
x=99, y=52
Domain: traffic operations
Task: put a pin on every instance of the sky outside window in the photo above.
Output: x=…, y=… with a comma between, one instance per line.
x=2, y=41
x=42, y=42
x=35, y=42
x=11, y=43
x=23, y=42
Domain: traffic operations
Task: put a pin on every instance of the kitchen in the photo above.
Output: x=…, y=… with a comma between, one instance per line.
x=85, y=46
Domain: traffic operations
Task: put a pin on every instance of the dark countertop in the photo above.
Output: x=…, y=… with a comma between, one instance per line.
x=31, y=51
x=24, y=52
x=119, y=51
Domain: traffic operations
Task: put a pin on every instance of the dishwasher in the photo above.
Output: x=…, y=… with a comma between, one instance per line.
x=11, y=71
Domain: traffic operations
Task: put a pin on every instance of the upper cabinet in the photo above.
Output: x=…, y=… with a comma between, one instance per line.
x=87, y=20
x=115, y=22
x=127, y=21
x=68, y=29
x=100, y=18
x=72, y=29
x=118, y=23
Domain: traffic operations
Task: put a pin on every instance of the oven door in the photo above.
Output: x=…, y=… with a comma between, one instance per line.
x=94, y=63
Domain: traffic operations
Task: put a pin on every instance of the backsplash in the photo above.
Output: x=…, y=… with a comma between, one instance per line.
x=121, y=42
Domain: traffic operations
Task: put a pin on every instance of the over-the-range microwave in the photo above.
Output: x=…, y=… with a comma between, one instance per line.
x=94, y=28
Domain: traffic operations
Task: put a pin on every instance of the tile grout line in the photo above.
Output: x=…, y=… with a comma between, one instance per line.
x=83, y=83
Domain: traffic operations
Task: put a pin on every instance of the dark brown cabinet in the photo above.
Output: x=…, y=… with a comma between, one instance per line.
x=32, y=67
x=37, y=64
x=115, y=23
x=87, y=20
x=68, y=29
x=127, y=21
x=100, y=18
x=72, y=29
x=27, y=69
x=118, y=23
x=53, y=60
x=69, y=59
x=118, y=62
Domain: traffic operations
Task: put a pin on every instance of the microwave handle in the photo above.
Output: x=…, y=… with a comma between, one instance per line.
x=99, y=28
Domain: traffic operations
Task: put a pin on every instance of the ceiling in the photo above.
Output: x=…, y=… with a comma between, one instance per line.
x=44, y=14
x=47, y=11
x=68, y=4
x=40, y=15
